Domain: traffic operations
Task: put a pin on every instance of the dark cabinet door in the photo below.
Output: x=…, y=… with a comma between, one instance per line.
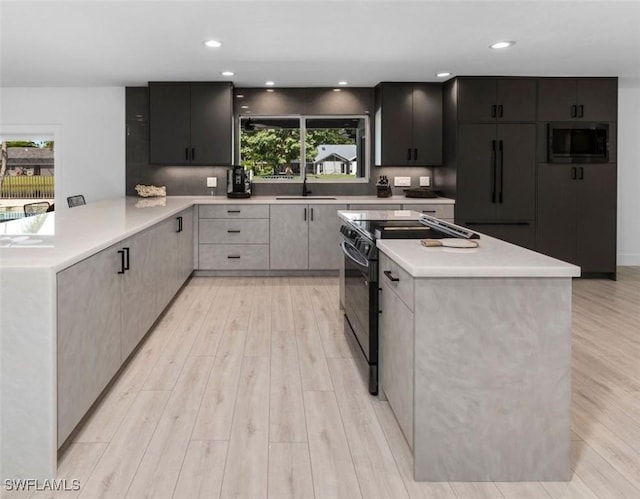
x=169, y=124
x=477, y=100
x=557, y=211
x=211, y=112
x=501, y=99
x=427, y=125
x=598, y=98
x=557, y=99
x=596, y=218
x=516, y=99
x=397, y=123
x=516, y=175
x=477, y=173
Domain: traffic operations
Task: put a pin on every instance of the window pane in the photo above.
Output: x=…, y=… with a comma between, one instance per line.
x=335, y=148
x=270, y=147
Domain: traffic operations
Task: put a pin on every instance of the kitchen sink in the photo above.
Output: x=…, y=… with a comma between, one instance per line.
x=304, y=197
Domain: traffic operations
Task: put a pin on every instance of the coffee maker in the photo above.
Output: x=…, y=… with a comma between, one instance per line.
x=238, y=182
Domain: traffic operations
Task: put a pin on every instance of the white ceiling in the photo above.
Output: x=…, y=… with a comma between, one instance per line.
x=311, y=43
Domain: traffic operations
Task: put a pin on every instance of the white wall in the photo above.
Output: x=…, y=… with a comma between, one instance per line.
x=90, y=135
x=628, y=175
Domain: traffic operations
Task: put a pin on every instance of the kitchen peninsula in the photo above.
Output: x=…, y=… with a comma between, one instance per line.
x=475, y=358
x=76, y=297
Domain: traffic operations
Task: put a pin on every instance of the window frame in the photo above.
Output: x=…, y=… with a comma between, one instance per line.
x=303, y=147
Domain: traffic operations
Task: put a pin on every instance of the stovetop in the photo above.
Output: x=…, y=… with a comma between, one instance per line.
x=397, y=229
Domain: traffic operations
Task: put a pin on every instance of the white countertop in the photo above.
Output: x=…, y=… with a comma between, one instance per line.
x=493, y=258
x=59, y=239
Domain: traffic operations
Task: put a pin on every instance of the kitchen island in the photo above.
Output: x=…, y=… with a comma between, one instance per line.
x=475, y=358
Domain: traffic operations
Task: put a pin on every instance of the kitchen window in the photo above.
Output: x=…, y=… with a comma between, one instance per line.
x=334, y=148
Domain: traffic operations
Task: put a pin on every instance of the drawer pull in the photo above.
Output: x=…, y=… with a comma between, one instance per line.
x=390, y=277
x=428, y=211
x=233, y=257
x=233, y=231
x=233, y=211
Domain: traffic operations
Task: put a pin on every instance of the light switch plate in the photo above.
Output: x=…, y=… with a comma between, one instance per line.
x=402, y=181
x=425, y=181
x=212, y=181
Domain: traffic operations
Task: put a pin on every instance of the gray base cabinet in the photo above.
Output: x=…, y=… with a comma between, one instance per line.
x=396, y=353
x=105, y=306
x=305, y=237
x=89, y=325
x=233, y=237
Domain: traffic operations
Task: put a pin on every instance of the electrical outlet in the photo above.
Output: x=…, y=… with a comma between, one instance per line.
x=425, y=181
x=402, y=181
x=212, y=181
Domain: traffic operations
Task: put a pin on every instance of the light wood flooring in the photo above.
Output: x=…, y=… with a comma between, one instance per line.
x=246, y=388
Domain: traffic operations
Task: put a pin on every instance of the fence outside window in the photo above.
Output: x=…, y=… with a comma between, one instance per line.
x=25, y=187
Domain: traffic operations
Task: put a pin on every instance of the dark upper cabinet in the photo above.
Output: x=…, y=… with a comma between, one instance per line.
x=408, y=124
x=579, y=99
x=496, y=173
x=276, y=102
x=190, y=124
x=572, y=201
x=348, y=101
x=496, y=99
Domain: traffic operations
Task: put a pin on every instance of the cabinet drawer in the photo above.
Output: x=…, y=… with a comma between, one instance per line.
x=242, y=231
x=234, y=257
x=444, y=211
x=388, y=271
x=234, y=211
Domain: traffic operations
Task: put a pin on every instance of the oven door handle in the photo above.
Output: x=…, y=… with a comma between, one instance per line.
x=352, y=253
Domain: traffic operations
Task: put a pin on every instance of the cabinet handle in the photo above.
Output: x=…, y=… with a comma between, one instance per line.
x=500, y=113
x=573, y=173
x=390, y=277
x=193, y=153
x=305, y=214
x=493, y=111
x=409, y=154
x=233, y=211
x=493, y=171
x=581, y=173
x=311, y=214
x=233, y=231
x=179, y=219
x=233, y=257
x=122, y=269
x=186, y=153
x=126, y=256
x=415, y=154
x=428, y=211
x=581, y=111
x=574, y=111
x=501, y=147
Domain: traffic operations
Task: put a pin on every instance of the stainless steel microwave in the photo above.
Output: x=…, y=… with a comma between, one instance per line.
x=578, y=143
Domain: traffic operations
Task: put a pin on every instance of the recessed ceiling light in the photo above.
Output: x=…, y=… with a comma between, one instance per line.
x=227, y=73
x=443, y=75
x=337, y=90
x=240, y=96
x=270, y=90
x=213, y=43
x=244, y=107
x=269, y=83
x=501, y=45
x=343, y=82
